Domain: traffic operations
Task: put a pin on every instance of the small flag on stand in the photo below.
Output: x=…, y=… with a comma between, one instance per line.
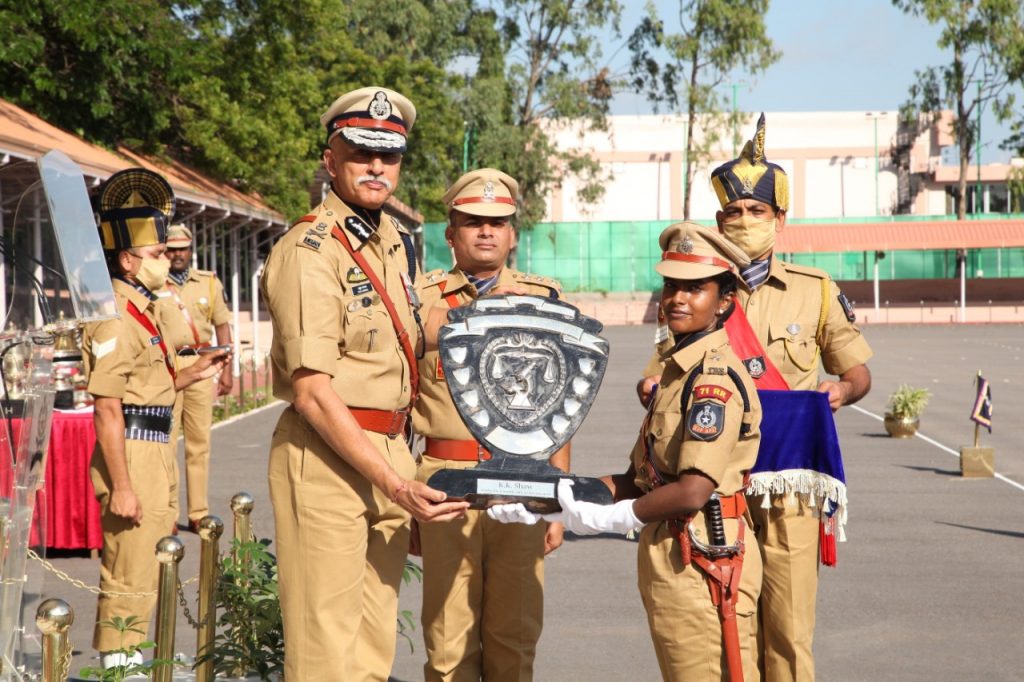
x=981, y=414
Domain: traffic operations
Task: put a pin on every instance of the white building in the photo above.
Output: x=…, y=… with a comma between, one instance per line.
x=830, y=158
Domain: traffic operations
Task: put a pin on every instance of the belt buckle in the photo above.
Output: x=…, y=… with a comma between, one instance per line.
x=397, y=426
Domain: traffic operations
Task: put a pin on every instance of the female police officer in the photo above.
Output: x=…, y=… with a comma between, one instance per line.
x=686, y=477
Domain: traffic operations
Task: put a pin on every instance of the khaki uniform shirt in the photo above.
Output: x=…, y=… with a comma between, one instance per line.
x=785, y=313
x=202, y=296
x=326, y=315
x=701, y=431
x=435, y=415
x=122, y=359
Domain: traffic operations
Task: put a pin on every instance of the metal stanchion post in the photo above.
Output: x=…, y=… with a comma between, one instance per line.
x=241, y=507
x=210, y=530
x=53, y=618
x=169, y=552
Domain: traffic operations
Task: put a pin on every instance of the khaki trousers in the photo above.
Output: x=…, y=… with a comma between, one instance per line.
x=193, y=412
x=341, y=548
x=483, y=595
x=788, y=535
x=685, y=628
x=128, y=562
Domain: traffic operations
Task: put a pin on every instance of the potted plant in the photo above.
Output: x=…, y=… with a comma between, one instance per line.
x=903, y=411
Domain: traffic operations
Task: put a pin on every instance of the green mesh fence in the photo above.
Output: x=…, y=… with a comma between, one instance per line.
x=620, y=256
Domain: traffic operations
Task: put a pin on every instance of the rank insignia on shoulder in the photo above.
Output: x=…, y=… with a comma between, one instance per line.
x=311, y=242
x=851, y=315
x=711, y=392
x=706, y=420
x=755, y=366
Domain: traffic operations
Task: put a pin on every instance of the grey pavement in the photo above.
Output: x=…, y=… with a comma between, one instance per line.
x=929, y=585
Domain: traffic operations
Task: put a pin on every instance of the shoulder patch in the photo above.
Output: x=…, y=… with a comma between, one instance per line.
x=851, y=315
x=711, y=392
x=805, y=270
x=311, y=241
x=706, y=420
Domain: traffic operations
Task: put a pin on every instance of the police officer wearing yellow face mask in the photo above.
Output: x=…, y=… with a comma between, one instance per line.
x=133, y=378
x=801, y=320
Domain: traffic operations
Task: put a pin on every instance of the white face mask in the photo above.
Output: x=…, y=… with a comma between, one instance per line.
x=152, y=273
x=753, y=236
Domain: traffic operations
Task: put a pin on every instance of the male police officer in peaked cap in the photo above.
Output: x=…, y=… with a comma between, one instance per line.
x=483, y=581
x=339, y=290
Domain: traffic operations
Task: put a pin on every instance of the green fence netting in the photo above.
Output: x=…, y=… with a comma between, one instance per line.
x=620, y=256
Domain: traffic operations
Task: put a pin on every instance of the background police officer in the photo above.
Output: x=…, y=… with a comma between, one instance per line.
x=193, y=309
x=338, y=287
x=483, y=581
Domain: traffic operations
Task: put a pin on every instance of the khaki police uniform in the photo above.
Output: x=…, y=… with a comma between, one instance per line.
x=341, y=543
x=123, y=360
x=189, y=313
x=799, y=319
x=483, y=581
x=684, y=624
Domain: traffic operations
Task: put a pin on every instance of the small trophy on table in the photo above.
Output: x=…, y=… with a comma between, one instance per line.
x=976, y=461
x=523, y=372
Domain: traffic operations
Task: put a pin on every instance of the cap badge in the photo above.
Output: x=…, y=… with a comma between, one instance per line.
x=685, y=246
x=489, y=191
x=748, y=185
x=380, y=107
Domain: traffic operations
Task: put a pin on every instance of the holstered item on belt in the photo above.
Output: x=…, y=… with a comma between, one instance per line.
x=723, y=565
x=391, y=424
x=456, y=450
x=148, y=422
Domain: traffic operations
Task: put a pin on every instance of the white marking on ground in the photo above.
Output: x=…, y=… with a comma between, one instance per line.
x=940, y=446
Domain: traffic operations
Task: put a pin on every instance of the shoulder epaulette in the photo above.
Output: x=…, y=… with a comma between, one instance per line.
x=308, y=218
x=312, y=239
x=715, y=363
x=435, y=277
x=204, y=273
x=538, y=279
x=805, y=270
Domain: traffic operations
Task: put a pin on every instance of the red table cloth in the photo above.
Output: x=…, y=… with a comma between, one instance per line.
x=72, y=512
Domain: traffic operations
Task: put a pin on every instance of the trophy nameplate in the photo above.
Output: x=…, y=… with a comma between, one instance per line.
x=523, y=371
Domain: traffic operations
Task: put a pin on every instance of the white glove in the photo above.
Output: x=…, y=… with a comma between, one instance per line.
x=513, y=512
x=587, y=518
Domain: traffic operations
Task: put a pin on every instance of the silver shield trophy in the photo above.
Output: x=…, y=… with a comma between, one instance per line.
x=523, y=372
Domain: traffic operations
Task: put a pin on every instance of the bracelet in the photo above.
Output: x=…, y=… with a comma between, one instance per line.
x=403, y=486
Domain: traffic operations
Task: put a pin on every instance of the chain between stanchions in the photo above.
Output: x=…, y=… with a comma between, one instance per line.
x=81, y=585
x=184, y=605
x=65, y=660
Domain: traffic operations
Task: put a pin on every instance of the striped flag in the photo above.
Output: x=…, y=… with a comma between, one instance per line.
x=982, y=411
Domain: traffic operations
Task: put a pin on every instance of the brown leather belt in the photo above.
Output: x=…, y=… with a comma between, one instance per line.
x=734, y=506
x=391, y=424
x=456, y=450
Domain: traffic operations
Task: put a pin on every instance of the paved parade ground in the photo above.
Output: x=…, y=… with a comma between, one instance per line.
x=928, y=585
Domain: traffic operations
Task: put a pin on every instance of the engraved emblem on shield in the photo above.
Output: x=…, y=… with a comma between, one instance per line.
x=523, y=371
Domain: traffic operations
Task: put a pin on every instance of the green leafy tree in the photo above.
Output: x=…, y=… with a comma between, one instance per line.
x=984, y=37
x=538, y=66
x=686, y=70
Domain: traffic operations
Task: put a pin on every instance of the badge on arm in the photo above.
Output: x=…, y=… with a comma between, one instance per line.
x=707, y=414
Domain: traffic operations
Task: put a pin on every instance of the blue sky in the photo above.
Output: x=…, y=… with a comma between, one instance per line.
x=852, y=55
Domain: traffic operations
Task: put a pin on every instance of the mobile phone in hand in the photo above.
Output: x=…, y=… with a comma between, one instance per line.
x=215, y=349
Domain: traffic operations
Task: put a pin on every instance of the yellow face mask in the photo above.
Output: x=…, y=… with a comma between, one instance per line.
x=754, y=237
x=152, y=273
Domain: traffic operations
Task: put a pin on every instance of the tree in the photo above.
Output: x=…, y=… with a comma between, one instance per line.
x=716, y=38
x=983, y=35
x=538, y=69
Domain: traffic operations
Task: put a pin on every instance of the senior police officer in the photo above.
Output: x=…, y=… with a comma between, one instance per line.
x=483, y=582
x=801, y=320
x=133, y=378
x=339, y=289
x=193, y=310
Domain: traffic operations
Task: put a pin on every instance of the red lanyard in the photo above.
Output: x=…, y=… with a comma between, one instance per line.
x=148, y=325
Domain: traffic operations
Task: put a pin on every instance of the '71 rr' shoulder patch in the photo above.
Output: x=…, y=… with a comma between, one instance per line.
x=708, y=391
x=706, y=420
